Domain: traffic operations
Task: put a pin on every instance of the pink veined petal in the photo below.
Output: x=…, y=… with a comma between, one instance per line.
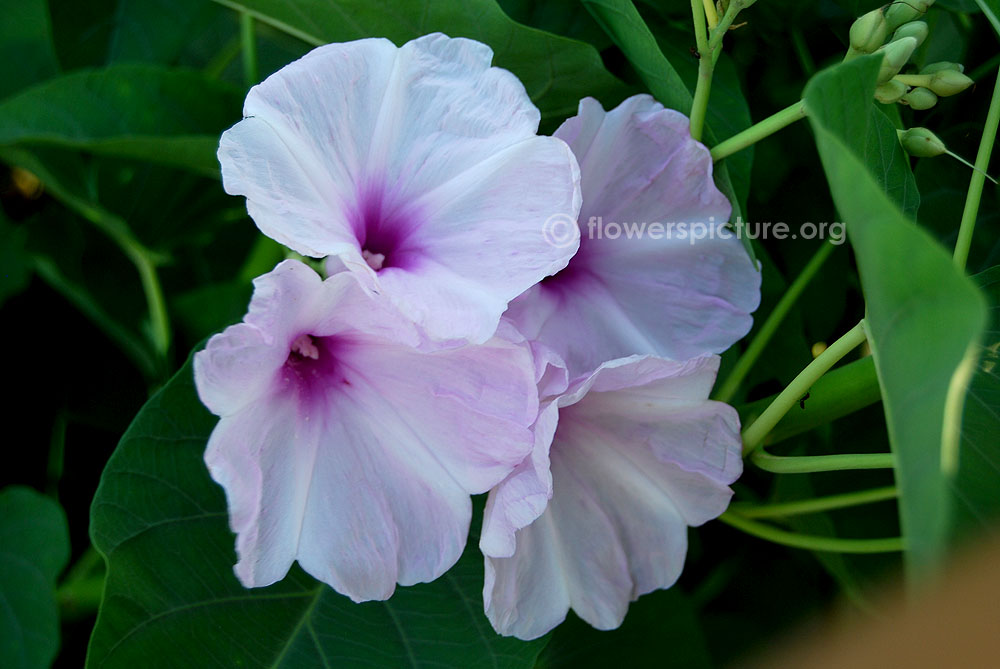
x=651, y=290
x=418, y=167
x=633, y=465
x=346, y=448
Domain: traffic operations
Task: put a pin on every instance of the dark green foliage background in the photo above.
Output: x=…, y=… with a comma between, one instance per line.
x=116, y=106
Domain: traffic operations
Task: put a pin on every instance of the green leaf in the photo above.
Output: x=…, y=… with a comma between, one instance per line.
x=34, y=549
x=924, y=315
x=659, y=625
x=15, y=264
x=978, y=477
x=623, y=24
x=556, y=71
x=159, y=31
x=172, y=600
x=991, y=8
x=167, y=116
x=26, y=51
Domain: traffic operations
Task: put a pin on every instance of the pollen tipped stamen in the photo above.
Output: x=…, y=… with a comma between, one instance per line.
x=374, y=260
x=305, y=347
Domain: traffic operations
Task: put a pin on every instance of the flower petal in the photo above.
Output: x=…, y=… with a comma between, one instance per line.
x=418, y=166
x=654, y=290
x=633, y=465
x=347, y=448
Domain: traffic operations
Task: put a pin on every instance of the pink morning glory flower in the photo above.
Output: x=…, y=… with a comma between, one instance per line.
x=656, y=290
x=624, y=462
x=417, y=167
x=342, y=446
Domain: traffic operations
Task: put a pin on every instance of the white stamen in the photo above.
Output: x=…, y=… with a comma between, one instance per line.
x=374, y=260
x=304, y=346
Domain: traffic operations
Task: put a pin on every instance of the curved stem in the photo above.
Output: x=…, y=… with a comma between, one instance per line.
x=975, y=193
x=808, y=541
x=754, y=435
x=815, y=505
x=808, y=464
x=699, y=107
x=759, y=131
x=770, y=326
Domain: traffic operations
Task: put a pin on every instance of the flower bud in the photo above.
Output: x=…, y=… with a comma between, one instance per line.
x=948, y=82
x=894, y=57
x=921, y=142
x=891, y=91
x=919, y=98
x=915, y=29
x=941, y=66
x=905, y=11
x=869, y=32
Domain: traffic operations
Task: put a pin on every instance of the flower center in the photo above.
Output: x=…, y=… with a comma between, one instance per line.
x=384, y=230
x=374, y=260
x=311, y=369
x=305, y=347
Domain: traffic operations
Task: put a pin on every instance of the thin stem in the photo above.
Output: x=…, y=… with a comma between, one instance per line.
x=759, y=131
x=699, y=106
x=815, y=505
x=88, y=561
x=809, y=464
x=248, y=41
x=985, y=68
x=719, y=31
x=808, y=541
x=837, y=393
x=754, y=435
x=975, y=193
x=771, y=325
x=802, y=51
x=80, y=599
x=711, y=14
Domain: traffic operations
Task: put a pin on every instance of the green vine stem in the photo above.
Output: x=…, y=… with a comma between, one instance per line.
x=809, y=464
x=837, y=393
x=815, y=505
x=699, y=107
x=754, y=435
x=808, y=541
x=759, y=131
x=757, y=345
x=975, y=193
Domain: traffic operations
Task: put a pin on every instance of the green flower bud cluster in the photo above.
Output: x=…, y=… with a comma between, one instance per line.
x=896, y=31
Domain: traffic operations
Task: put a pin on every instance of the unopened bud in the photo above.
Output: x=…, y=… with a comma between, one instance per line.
x=919, y=98
x=921, y=142
x=941, y=66
x=869, y=32
x=915, y=29
x=894, y=57
x=891, y=91
x=905, y=11
x=948, y=82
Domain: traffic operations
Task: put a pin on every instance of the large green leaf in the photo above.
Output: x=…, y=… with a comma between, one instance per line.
x=556, y=71
x=26, y=51
x=171, y=598
x=159, y=31
x=977, y=486
x=924, y=315
x=660, y=630
x=34, y=549
x=168, y=116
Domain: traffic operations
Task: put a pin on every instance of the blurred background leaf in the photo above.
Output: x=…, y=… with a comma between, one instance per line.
x=34, y=549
